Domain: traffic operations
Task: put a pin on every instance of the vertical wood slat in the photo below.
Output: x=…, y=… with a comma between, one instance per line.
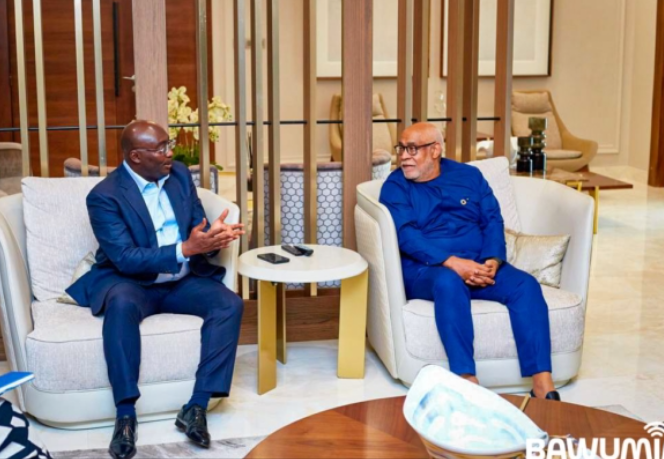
x=503, y=94
x=258, y=137
x=310, y=167
x=22, y=92
x=150, y=61
x=455, y=79
x=274, y=130
x=202, y=83
x=405, y=66
x=470, y=72
x=41, y=90
x=656, y=167
x=357, y=78
x=274, y=147
x=421, y=60
x=80, y=85
x=241, y=153
x=99, y=87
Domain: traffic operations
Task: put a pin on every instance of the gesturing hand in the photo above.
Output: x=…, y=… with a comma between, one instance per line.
x=219, y=236
x=231, y=232
x=472, y=273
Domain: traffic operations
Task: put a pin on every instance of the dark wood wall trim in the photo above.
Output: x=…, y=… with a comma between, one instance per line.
x=5, y=73
x=656, y=169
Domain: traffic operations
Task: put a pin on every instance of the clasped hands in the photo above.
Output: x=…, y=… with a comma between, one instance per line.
x=219, y=236
x=472, y=273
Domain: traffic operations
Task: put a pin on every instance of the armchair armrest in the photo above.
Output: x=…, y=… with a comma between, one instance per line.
x=15, y=291
x=549, y=208
x=214, y=205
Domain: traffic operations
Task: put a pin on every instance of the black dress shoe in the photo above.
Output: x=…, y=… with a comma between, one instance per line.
x=123, y=444
x=194, y=423
x=553, y=395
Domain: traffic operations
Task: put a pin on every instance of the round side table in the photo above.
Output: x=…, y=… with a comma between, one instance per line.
x=325, y=264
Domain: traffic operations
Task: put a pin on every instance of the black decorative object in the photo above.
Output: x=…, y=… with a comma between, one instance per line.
x=538, y=127
x=525, y=162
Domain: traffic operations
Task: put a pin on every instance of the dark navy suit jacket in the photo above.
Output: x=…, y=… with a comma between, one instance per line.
x=128, y=248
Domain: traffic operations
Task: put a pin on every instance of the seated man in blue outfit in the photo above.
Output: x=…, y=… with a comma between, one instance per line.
x=154, y=242
x=452, y=244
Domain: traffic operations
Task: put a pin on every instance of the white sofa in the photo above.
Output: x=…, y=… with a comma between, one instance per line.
x=403, y=333
x=62, y=344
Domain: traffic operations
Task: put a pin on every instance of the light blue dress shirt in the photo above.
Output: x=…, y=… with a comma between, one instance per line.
x=162, y=215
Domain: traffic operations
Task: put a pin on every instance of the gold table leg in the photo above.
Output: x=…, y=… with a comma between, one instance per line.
x=281, y=323
x=267, y=337
x=595, y=195
x=353, y=326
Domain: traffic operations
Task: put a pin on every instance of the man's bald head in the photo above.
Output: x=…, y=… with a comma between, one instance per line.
x=141, y=134
x=422, y=131
x=146, y=150
x=421, y=148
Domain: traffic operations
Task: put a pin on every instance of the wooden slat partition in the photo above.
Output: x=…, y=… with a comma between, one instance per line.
x=421, y=60
x=241, y=153
x=258, y=137
x=99, y=87
x=357, y=32
x=274, y=130
x=80, y=85
x=656, y=167
x=22, y=88
x=503, y=90
x=470, y=71
x=202, y=86
x=41, y=89
x=455, y=79
x=150, y=61
x=310, y=168
x=274, y=146
x=405, y=66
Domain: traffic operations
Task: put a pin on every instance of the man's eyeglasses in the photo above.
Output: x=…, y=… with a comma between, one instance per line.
x=412, y=150
x=163, y=150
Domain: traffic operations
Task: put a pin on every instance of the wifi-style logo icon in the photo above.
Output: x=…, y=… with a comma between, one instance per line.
x=655, y=429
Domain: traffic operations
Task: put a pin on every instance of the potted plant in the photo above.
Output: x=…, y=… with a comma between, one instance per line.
x=187, y=147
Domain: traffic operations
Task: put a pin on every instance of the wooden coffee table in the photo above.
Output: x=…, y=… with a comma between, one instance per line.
x=378, y=429
x=590, y=182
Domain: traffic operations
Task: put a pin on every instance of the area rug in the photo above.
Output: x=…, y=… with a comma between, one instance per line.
x=219, y=449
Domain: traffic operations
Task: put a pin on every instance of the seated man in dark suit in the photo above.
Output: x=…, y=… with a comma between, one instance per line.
x=452, y=243
x=154, y=242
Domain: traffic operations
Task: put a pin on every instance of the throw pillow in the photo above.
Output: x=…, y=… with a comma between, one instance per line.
x=83, y=268
x=540, y=256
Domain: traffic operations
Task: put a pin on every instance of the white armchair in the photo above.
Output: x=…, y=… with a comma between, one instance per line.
x=404, y=334
x=62, y=344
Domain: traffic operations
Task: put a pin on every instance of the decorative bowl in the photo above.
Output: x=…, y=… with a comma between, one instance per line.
x=457, y=419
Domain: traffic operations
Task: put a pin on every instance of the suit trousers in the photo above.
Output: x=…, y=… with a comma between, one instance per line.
x=517, y=290
x=127, y=304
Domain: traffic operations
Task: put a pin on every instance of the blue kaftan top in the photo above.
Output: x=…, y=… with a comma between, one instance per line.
x=454, y=214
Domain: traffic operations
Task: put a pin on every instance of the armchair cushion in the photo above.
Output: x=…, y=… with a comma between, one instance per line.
x=58, y=231
x=562, y=154
x=493, y=332
x=65, y=348
x=536, y=103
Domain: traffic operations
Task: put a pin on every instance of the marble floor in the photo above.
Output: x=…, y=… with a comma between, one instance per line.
x=623, y=361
